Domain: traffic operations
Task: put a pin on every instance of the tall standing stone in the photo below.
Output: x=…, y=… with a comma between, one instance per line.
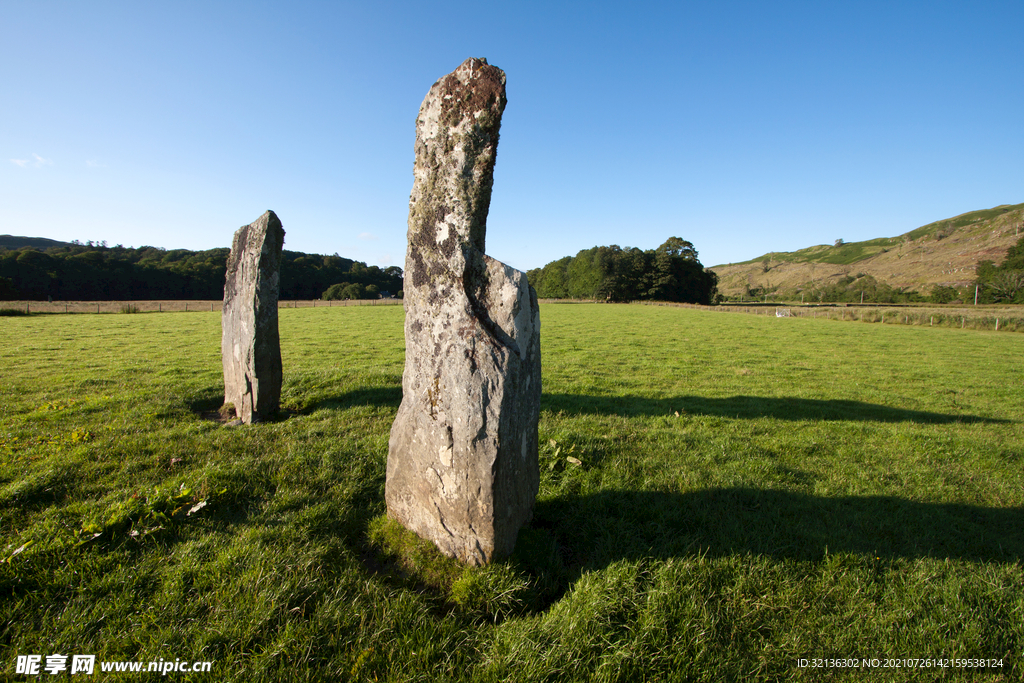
x=462, y=461
x=250, y=344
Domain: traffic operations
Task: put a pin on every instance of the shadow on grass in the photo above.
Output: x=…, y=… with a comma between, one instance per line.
x=743, y=407
x=371, y=396
x=207, y=405
x=209, y=400
x=749, y=407
x=570, y=535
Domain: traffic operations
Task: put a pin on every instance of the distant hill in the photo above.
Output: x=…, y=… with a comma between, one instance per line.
x=943, y=253
x=16, y=242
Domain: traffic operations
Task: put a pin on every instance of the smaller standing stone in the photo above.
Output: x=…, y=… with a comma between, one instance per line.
x=250, y=343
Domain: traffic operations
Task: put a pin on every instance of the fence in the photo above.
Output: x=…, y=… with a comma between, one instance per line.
x=996, y=318
x=169, y=306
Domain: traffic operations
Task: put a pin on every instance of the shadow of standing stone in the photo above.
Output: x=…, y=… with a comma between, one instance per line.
x=462, y=462
x=250, y=344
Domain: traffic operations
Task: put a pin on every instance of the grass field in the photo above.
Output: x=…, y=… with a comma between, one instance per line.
x=721, y=496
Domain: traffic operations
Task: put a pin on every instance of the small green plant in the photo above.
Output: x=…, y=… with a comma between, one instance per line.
x=142, y=515
x=10, y=312
x=129, y=308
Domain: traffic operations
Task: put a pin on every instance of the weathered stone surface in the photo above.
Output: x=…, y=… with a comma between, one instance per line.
x=462, y=461
x=250, y=344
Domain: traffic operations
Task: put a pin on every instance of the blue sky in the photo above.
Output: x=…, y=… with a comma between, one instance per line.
x=744, y=127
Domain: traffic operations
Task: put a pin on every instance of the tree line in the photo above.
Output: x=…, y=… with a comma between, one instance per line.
x=671, y=272
x=95, y=272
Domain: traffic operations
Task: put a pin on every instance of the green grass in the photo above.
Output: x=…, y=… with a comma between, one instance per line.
x=720, y=497
x=844, y=254
x=963, y=220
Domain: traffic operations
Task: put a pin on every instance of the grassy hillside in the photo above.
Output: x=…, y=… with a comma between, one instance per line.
x=941, y=253
x=17, y=242
x=721, y=496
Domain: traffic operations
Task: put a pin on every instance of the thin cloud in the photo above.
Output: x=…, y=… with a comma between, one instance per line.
x=94, y=164
x=367, y=236
x=35, y=162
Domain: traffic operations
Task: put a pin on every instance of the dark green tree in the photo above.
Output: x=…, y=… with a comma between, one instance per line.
x=671, y=272
x=1003, y=283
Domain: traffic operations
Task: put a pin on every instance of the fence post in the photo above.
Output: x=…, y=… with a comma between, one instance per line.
x=997, y=324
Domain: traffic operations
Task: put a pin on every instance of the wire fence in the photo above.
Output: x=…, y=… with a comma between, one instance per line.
x=995, y=318
x=168, y=306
